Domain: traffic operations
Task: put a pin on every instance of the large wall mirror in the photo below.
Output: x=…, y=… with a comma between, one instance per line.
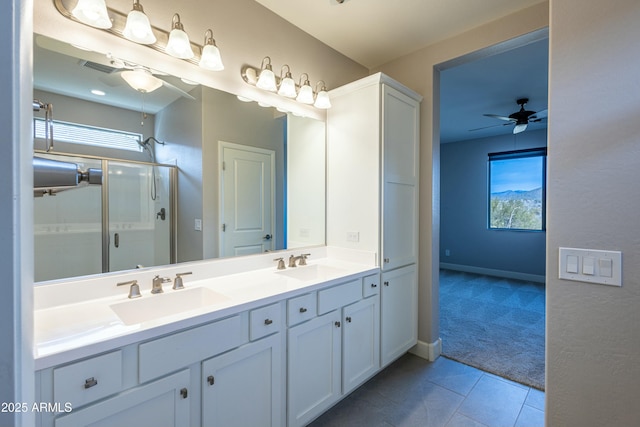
x=197, y=174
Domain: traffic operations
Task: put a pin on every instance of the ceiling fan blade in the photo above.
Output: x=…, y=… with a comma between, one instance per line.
x=539, y=115
x=519, y=128
x=495, y=116
x=487, y=127
x=176, y=89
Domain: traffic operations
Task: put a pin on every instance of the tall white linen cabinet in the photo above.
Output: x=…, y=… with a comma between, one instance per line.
x=373, y=141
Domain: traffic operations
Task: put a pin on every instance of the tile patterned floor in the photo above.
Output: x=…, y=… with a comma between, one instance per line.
x=413, y=392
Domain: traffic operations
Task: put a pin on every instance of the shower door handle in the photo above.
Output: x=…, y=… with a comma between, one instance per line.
x=116, y=240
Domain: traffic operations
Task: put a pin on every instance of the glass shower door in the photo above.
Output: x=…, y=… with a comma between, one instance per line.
x=140, y=215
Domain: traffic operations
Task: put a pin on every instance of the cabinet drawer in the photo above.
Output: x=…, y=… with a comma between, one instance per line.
x=371, y=285
x=265, y=321
x=89, y=380
x=339, y=296
x=168, y=354
x=301, y=308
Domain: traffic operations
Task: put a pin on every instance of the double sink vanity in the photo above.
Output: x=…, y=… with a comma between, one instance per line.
x=243, y=343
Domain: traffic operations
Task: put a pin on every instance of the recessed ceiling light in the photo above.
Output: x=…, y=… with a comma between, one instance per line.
x=98, y=92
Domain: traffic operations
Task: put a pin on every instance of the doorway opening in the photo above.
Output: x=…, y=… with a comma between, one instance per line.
x=491, y=288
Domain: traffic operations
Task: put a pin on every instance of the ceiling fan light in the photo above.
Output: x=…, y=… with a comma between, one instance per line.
x=210, y=58
x=141, y=80
x=93, y=13
x=520, y=127
x=138, y=28
x=179, y=45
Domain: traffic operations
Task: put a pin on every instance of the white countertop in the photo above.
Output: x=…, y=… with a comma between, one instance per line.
x=69, y=328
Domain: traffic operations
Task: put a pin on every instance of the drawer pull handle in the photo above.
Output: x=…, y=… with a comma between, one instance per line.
x=303, y=310
x=386, y=283
x=211, y=380
x=90, y=382
x=184, y=393
x=337, y=324
x=268, y=321
x=374, y=285
x=348, y=319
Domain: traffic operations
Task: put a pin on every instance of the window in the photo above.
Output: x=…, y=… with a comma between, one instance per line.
x=89, y=135
x=517, y=189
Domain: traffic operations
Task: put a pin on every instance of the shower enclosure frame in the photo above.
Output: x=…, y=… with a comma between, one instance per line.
x=106, y=238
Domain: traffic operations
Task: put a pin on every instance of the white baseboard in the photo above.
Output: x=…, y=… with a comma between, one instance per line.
x=429, y=351
x=493, y=272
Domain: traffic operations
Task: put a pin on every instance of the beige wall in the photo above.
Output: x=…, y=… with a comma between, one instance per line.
x=417, y=71
x=593, y=333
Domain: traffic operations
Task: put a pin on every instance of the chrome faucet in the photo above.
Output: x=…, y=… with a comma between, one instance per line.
x=134, y=290
x=302, y=260
x=157, y=284
x=177, y=282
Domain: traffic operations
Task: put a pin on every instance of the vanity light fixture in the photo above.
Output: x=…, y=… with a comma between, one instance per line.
x=92, y=12
x=138, y=28
x=305, y=94
x=210, y=58
x=287, y=84
x=179, y=45
x=284, y=85
x=322, y=97
x=267, y=79
x=141, y=79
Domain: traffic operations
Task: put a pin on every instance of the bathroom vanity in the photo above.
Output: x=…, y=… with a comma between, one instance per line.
x=234, y=347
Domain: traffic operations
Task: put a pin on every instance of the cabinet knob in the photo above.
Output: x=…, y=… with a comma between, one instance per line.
x=184, y=393
x=211, y=380
x=387, y=260
x=268, y=321
x=303, y=310
x=374, y=285
x=337, y=324
x=90, y=382
x=348, y=319
x=386, y=283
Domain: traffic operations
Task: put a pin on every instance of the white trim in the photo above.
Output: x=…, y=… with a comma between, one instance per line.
x=493, y=272
x=428, y=351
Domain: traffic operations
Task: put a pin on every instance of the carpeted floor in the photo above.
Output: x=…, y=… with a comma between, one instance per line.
x=494, y=324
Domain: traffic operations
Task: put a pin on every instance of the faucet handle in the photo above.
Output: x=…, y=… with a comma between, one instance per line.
x=303, y=259
x=134, y=290
x=281, y=265
x=177, y=282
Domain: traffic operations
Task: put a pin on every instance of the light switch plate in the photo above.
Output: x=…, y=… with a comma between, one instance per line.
x=593, y=266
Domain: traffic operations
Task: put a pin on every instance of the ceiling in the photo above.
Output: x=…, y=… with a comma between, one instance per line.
x=362, y=31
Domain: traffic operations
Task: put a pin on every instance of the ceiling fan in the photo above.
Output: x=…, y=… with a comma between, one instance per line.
x=520, y=118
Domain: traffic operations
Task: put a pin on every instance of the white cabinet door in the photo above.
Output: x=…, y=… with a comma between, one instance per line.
x=244, y=386
x=399, y=313
x=400, y=171
x=360, y=342
x=161, y=403
x=313, y=367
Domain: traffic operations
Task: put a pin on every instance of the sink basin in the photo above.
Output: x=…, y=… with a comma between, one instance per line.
x=151, y=307
x=313, y=272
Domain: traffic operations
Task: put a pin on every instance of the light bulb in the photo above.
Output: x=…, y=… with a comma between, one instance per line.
x=179, y=45
x=138, y=28
x=267, y=79
x=305, y=95
x=93, y=13
x=210, y=58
